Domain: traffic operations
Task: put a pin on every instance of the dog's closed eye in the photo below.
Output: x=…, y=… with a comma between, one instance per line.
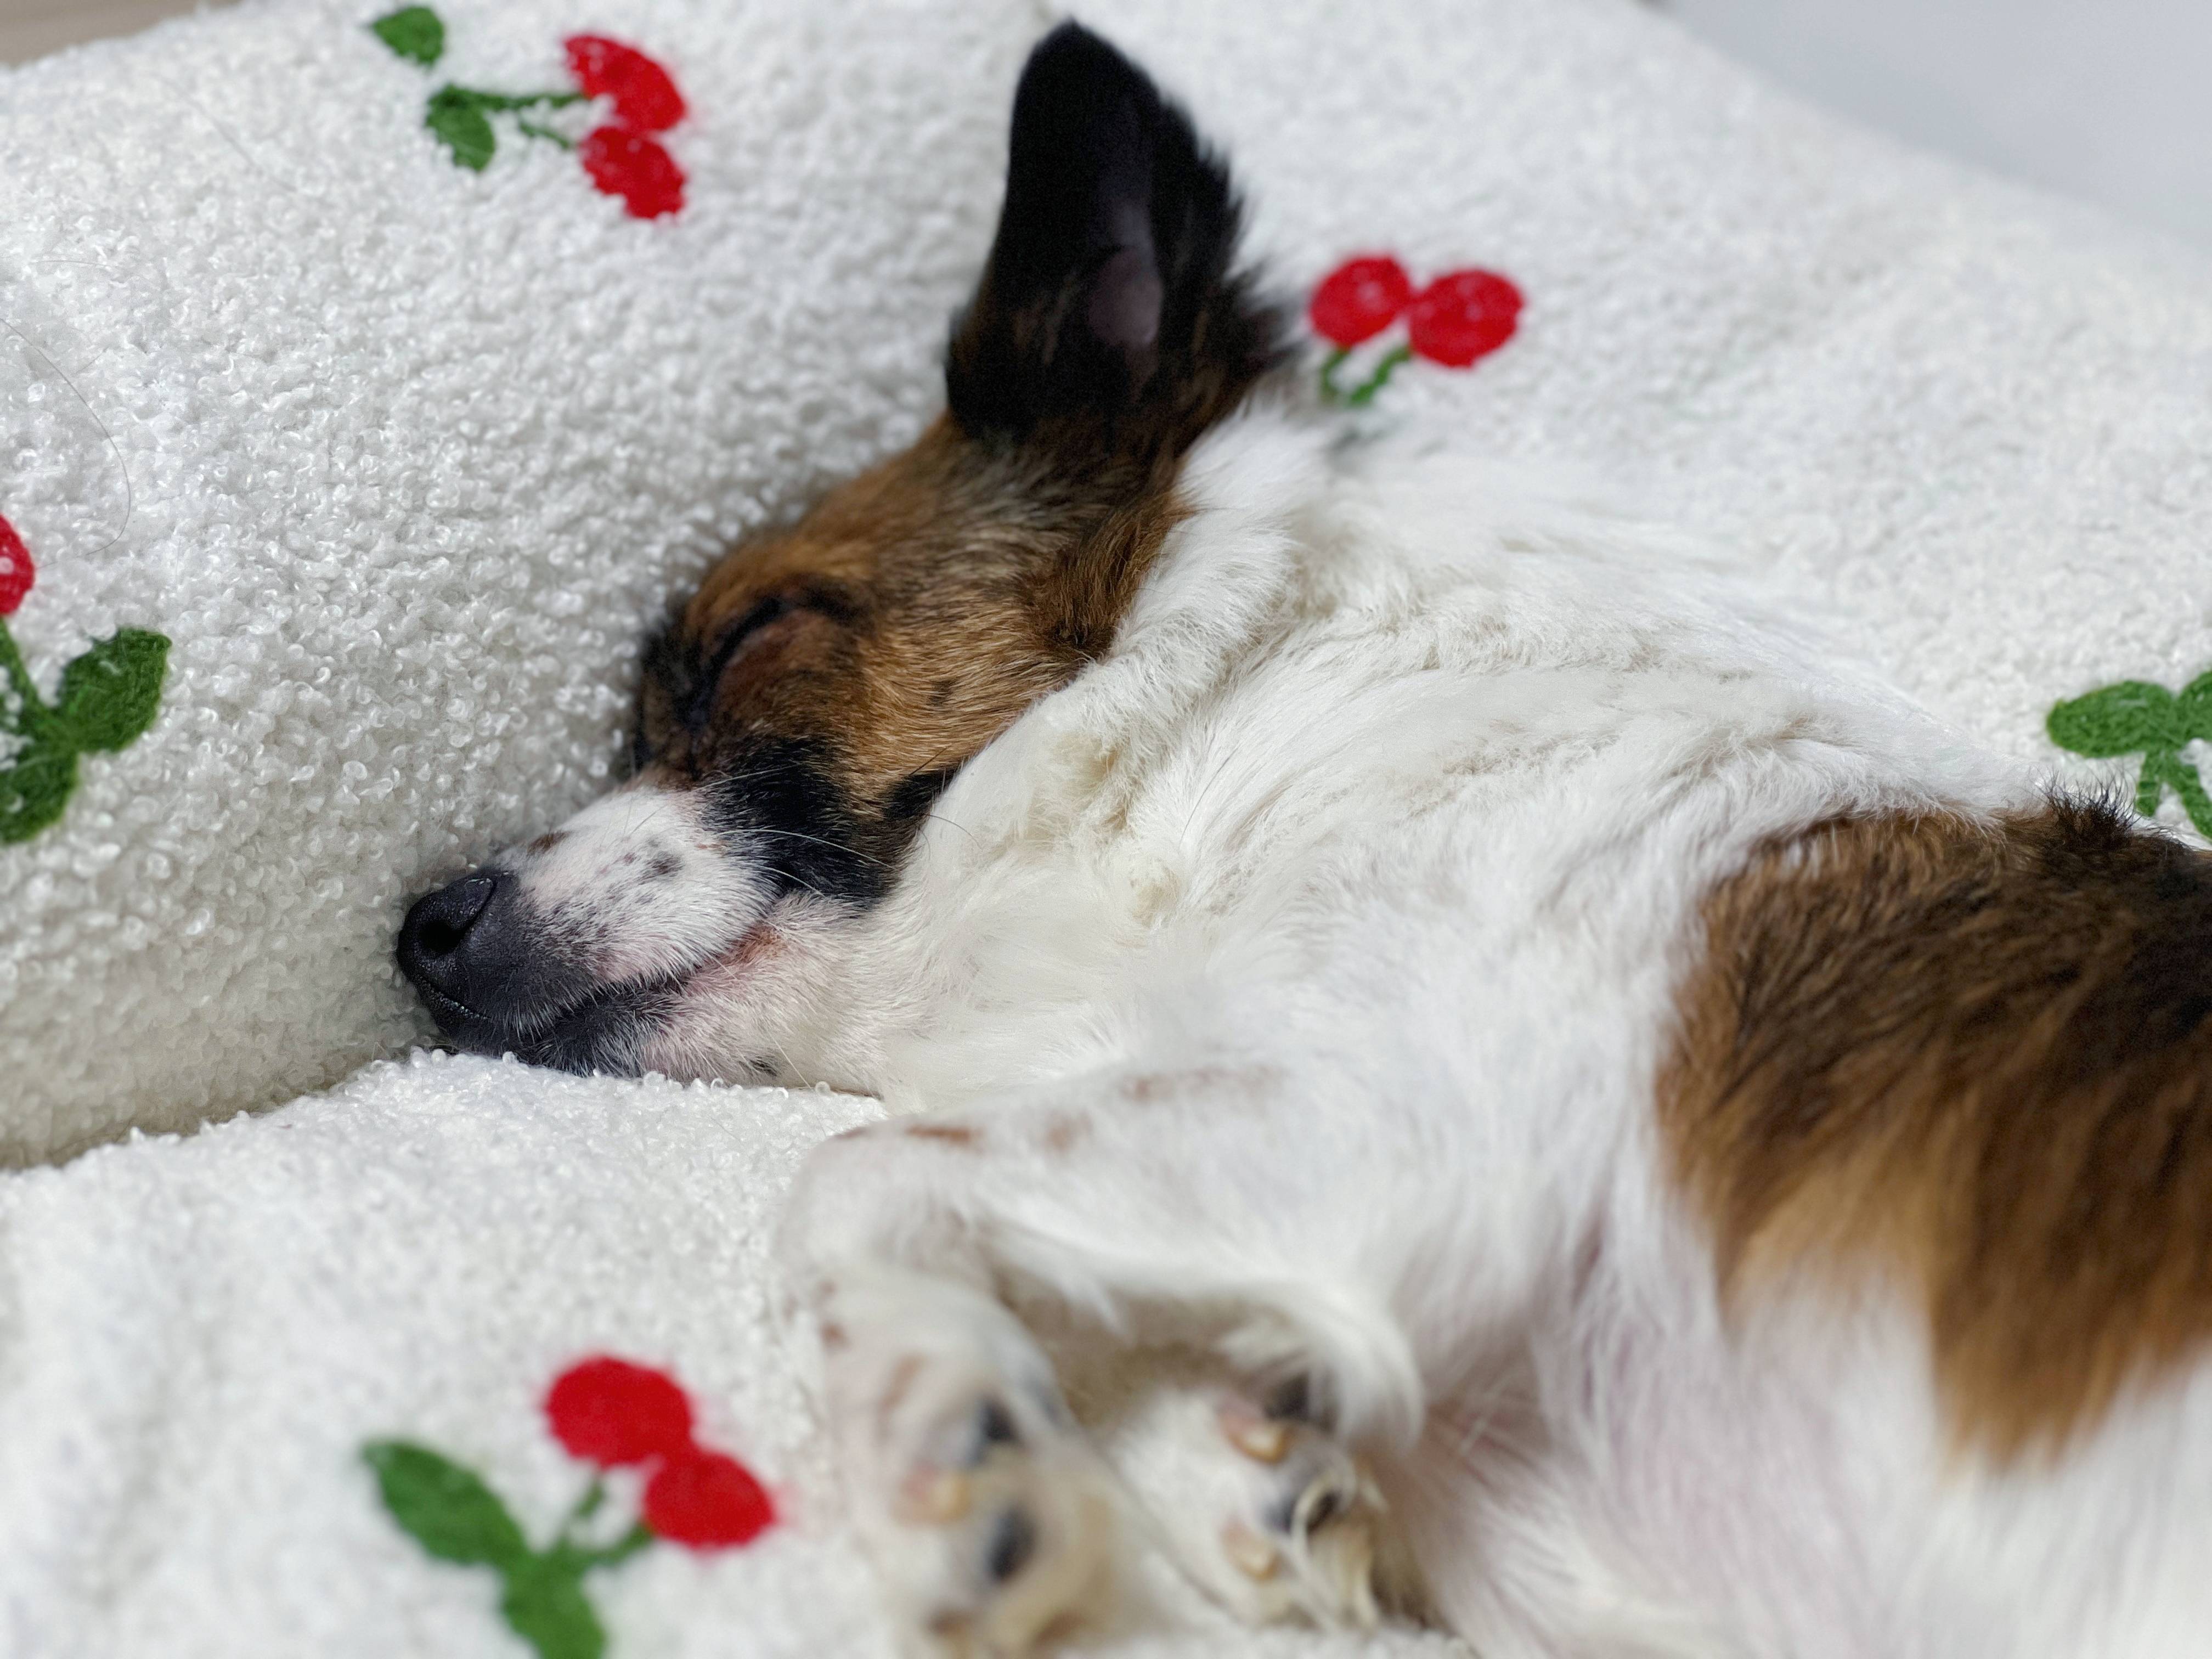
x=748, y=629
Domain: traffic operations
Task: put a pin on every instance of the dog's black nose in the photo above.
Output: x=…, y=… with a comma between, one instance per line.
x=450, y=949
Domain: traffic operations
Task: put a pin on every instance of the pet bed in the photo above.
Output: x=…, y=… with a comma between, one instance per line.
x=366, y=391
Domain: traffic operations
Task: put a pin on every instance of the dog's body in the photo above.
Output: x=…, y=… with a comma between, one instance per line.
x=1727, y=1168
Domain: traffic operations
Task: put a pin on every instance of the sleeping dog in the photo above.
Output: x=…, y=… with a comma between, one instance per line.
x=1643, y=1142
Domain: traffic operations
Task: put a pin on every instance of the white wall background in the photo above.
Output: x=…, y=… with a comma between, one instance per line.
x=2108, y=100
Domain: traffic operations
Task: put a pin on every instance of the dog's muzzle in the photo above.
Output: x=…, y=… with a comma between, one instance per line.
x=497, y=984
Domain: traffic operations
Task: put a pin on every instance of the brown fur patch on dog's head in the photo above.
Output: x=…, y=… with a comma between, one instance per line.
x=832, y=679
x=1978, y=1058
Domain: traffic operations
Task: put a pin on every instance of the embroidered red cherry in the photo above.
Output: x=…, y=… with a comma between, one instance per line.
x=705, y=1501
x=628, y=164
x=607, y=1411
x=645, y=97
x=16, y=573
x=1359, y=299
x=1462, y=316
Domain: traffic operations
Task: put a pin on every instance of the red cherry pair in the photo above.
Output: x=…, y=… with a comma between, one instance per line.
x=611, y=1413
x=1460, y=317
x=622, y=157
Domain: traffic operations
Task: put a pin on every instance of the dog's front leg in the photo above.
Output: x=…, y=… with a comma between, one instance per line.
x=989, y=1516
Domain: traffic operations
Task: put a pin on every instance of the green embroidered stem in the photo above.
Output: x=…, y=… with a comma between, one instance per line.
x=2183, y=779
x=461, y=117
x=587, y=1506
x=2150, y=784
x=1362, y=395
x=1330, y=391
x=531, y=130
x=11, y=659
x=501, y=100
x=40, y=773
x=565, y=1548
x=621, y=1549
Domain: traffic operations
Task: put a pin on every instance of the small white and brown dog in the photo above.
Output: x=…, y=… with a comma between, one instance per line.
x=1664, y=1148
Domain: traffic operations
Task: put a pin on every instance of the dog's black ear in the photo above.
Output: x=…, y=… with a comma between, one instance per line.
x=1110, y=318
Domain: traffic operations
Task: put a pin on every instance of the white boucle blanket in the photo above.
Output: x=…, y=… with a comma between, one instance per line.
x=198, y=1337
x=1976, y=425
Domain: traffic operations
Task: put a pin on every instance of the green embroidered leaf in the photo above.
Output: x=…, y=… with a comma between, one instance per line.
x=415, y=32
x=110, y=695
x=546, y=1607
x=2193, y=707
x=35, y=788
x=443, y=1507
x=2118, y=719
x=457, y=116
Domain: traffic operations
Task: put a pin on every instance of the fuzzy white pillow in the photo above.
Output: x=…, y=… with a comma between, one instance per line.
x=403, y=444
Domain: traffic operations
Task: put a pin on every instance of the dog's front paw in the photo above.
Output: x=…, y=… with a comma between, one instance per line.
x=990, y=1520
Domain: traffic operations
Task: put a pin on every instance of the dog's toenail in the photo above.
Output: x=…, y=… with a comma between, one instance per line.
x=1256, y=1436
x=934, y=1498
x=1013, y=1541
x=1250, y=1553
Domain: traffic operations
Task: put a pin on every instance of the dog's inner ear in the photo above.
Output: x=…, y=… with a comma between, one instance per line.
x=1108, y=318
